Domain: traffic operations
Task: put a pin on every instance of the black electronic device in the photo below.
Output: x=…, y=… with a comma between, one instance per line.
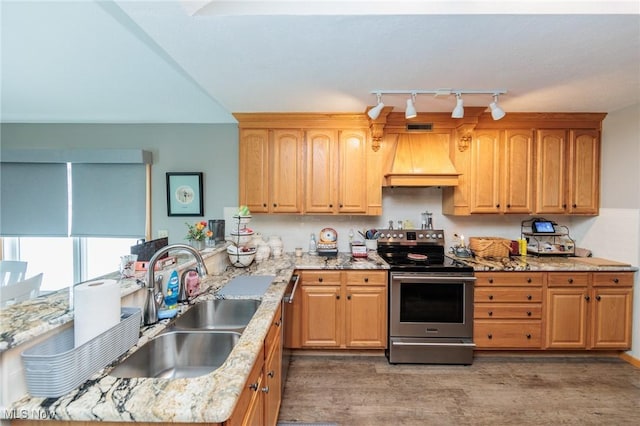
x=543, y=227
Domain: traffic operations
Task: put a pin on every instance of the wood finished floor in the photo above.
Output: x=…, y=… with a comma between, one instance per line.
x=367, y=390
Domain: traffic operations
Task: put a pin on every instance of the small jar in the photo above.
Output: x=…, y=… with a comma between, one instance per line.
x=275, y=242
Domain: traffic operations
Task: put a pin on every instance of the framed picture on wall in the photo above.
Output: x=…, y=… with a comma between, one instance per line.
x=184, y=194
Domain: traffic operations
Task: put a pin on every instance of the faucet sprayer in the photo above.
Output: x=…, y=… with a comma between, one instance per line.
x=154, y=292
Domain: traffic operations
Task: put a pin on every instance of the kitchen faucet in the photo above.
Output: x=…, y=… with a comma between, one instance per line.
x=154, y=291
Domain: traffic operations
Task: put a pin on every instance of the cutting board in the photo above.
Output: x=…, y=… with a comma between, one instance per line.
x=598, y=261
x=250, y=285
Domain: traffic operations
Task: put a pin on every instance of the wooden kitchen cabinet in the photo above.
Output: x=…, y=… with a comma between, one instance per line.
x=259, y=402
x=271, y=170
x=508, y=310
x=336, y=171
x=589, y=310
x=567, y=171
x=343, y=309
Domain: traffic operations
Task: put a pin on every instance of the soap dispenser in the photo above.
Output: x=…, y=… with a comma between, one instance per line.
x=313, y=247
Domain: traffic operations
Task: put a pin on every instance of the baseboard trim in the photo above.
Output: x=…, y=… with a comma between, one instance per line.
x=631, y=360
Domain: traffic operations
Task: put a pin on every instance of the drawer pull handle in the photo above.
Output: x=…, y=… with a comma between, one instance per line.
x=490, y=336
x=337, y=296
x=570, y=280
x=253, y=386
x=277, y=323
x=529, y=280
x=490, y=313
x=490, y=280
x=598, y=298
x=366, y=279
x=265, y=389
x=320, y=279
x=349, y=297
x=491, y=297
x=529, y=297
x=528, y=335
x=528, y=313
x=271, y=374
x=587, y=298
x=615, y=280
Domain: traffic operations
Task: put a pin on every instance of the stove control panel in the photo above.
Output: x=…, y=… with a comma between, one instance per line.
x=412, y=236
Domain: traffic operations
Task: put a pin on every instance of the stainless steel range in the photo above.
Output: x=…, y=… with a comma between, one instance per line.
x=430, y=299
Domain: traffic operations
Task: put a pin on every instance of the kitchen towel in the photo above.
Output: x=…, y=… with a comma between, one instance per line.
x=96, y=309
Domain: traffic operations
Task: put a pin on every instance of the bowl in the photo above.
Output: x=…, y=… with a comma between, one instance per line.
x=242, y=220
x=240, y=258
x=242, y=238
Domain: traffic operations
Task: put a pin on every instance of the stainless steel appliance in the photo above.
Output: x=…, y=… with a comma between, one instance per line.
x=430, y=299
x=287, y=317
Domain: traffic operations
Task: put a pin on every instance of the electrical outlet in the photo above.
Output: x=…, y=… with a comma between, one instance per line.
x=163, y=233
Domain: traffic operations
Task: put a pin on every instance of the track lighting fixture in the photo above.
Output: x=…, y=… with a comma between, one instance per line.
x=458, y=112
x=410, y=112
x=375, y=111
x=496, y=112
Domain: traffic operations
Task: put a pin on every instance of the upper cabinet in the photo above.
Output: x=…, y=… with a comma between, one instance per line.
x=529, y=163
x=308, y=163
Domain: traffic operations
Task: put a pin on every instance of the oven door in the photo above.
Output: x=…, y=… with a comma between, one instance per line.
x=434, y=306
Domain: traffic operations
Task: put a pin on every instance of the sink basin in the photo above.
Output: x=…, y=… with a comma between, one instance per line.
x=178, y=354
x=221, y=314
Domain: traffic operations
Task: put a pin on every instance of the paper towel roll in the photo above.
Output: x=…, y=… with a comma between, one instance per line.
x=97, y=309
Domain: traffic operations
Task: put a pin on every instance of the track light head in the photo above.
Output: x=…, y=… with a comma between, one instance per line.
x=411, y=109
x=458, y=111
x=374, y=112
x=496, y=112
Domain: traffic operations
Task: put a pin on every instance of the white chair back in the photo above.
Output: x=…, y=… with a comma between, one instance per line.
x=12, y=271
x=20, y=291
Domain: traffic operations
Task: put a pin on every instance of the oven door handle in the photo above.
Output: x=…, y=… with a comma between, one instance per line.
x=423, y=278
x=288, y=298
x=470, y=345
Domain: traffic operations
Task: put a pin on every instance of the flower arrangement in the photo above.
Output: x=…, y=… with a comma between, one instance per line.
x=198, y=232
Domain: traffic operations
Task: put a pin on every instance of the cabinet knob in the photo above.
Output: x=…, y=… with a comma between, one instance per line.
x=490, y=313
x=508, y=206
x=491, y=297
x=490, y=280
x=497, y=206
x=570, y=280
x=320, y=279
x=489, y=336
x=264, y=205
x=253, y=386
x=341, y=206
x=271, y=374
x=349, y=297
x=598, y=298
x=587, y=298
x=277, y=323
x=275, y=205
x=265, y=389
x=529, y=297
x=575, y=205
x=528, y=313
x=564, y=206
x=366, y=279
x=615, y=280
x=528, y=335
x=331, y=206
x=528, y=280
x=337, y=296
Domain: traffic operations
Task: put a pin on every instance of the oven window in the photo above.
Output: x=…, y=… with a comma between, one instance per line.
x=425, y=303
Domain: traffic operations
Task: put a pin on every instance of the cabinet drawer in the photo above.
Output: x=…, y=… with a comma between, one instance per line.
x=515, y=334
x=613, y=279
x=531, y=279
x=568, y=279
x=274, y=330
x=321, y=277
x=366, y=277
x=504, y=294
x=508, y=310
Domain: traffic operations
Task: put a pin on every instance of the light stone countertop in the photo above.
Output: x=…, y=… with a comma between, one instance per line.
x=537, y=263
x=208, y=398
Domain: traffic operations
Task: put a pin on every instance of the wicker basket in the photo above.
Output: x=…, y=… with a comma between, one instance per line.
x=489, y=246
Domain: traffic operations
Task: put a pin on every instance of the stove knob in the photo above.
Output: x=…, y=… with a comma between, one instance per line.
x=400, y=235
x=395, y=235
x=433, y=236
x=388, y=235
x=440, y=236
x=420, y=235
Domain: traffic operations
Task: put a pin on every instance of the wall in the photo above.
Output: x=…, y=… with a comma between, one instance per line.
x=210, y=148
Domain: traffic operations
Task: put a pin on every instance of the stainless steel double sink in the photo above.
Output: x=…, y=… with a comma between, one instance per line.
x=196, y=343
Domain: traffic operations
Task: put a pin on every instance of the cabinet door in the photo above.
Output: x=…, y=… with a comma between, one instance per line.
x=272, y=380
x=611, y=318
x=550, y=171
x=321, y=318
x=254, y=169
x=286, y=170
x=584, y=172
x=366, y=316
x=567, y=318
x=485, y=172
x=352, y=180
x=321, y=171
x=517, y=176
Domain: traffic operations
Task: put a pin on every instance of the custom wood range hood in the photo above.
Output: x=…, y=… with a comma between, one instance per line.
x=420, y=160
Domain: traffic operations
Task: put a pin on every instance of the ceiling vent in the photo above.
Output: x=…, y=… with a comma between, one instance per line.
x=419, y=127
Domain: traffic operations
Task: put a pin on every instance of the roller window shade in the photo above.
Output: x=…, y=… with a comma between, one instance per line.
x=33, y=199
x=108, y=200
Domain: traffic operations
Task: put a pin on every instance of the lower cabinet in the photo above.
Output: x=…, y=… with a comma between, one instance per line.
x=508, y=310
x=589, y=310
x=259, y=402
x=341, y=309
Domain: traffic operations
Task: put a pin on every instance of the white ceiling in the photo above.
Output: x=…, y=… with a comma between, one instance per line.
x=198, y=61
